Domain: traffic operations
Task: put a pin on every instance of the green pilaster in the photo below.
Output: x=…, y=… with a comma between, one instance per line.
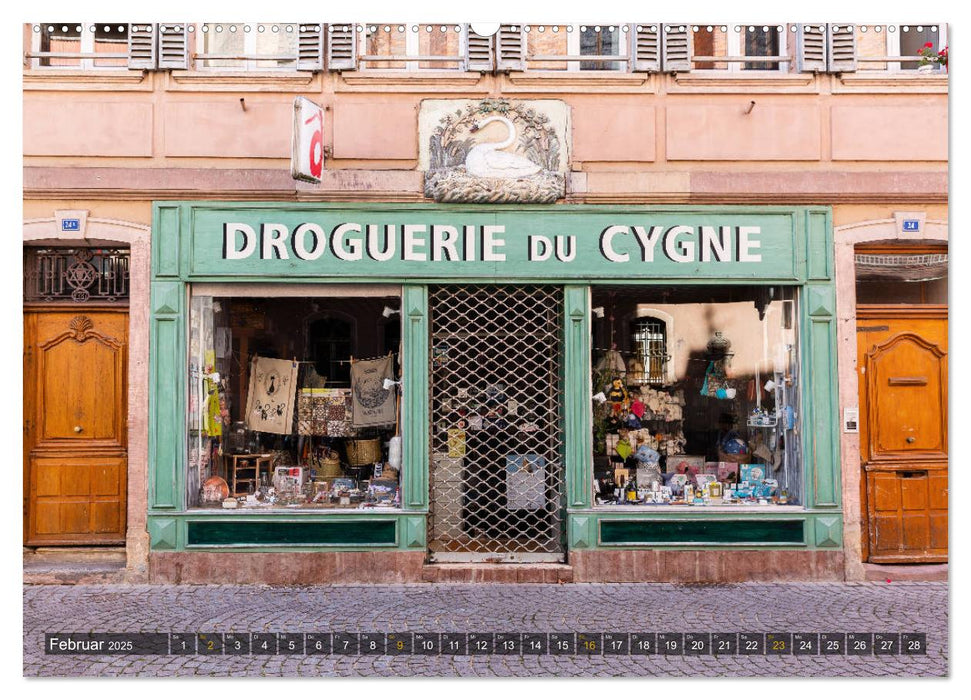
x=414, y=418
x=577, y=398
x=166, y=405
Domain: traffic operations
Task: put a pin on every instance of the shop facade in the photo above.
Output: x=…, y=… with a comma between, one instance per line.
x=497, y=376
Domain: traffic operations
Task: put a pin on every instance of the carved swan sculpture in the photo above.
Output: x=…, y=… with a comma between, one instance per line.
x=488, y=160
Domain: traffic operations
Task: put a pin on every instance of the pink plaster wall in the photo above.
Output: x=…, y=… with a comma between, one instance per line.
x=723, y=131
x=613, y=130
x=221, y=128
x=65, y=126
x=377, y=126
x=890, y=131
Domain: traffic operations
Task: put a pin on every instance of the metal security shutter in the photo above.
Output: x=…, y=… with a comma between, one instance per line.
x=645, y=49
x=676, y=48
x=841, y=48
x=811, y=48
x=173, y=46
x=511, y=47
x=310, y=47
x=141, y=46
x=341, y=47
x=496, y=431
x=478, y=51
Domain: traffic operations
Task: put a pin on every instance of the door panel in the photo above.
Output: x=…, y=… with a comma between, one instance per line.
x=75, y=458
x=902, y=364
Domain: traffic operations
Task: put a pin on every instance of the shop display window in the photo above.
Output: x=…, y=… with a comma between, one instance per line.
x=696, y=396
x=294, y=402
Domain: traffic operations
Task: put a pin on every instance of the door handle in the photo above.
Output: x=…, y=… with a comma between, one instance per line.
x=78, y=428
x=910, y=440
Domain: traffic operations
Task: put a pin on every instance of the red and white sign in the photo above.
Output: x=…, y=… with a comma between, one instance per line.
x=307, y=154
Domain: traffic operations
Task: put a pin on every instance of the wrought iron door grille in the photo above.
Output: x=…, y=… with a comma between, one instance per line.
x=496, y=432
x=76, y=274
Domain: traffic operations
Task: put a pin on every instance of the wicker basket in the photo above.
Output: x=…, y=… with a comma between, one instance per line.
x=361, y=451
x=735, y=459
x=330, y=466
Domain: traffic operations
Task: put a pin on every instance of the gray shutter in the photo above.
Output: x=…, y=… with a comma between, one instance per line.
x=841, y=47
x=341, y=47
x=676, y=45
x=511, y=47
x=141, y=46
x=645, y=48
x=478, y=51
x=810, y=48
x=173, y=46
x=310, y=46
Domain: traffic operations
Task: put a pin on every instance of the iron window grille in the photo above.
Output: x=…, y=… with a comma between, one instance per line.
x=650, y=344
x=77, y=275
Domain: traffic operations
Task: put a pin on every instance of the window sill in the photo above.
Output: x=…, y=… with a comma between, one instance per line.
x=747, y=81
x=212, y=80
x=579, y=81
x=891, y=81
x=86, y=79
x=407, y=81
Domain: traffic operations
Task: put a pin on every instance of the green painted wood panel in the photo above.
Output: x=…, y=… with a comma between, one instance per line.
x=414, y=418
x=577, y=397
x=165, y=240
x=280, y=533
x=166, y=405
x=712, y=532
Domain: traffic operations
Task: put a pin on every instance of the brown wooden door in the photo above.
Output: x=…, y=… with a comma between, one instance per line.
x=902, y=353
x=75, y=426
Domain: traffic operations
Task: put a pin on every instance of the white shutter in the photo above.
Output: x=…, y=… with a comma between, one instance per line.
x=841, y=47
x=141, y=46
x=173, y=46
x=810, y=48
x=310, y=46
x=478, y=51
x=645, y=48
x=511, y=47
x=341, y=47
x=676, y=47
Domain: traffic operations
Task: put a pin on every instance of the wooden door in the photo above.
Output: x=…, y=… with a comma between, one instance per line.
x=902, y=353
x=75, y=426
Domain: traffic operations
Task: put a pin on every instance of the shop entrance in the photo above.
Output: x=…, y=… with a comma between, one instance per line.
x=496, y=469
x=75, y=425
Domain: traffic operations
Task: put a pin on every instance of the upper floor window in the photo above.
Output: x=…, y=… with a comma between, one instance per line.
x=896, y=47
x=396, y=46
x=242, y=46
x=577, y=47
x=731, y=47
x=82, y=45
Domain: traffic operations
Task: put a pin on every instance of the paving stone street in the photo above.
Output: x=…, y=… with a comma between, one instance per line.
x=904, y=607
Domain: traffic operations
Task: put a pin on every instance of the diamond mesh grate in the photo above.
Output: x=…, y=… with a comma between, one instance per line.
x=496, y=435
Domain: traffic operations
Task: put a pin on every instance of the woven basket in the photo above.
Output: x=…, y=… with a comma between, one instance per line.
x=735, y=459
x=363, y=451
x=330, y=466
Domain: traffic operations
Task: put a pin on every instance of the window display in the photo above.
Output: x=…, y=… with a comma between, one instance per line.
x=294, y=402
x=696, y=396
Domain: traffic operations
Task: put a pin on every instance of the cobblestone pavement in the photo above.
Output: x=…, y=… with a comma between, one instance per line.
x=770, y=608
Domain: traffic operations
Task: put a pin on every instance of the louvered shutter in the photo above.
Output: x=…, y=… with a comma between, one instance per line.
x=645, y=48
x=676, y=48
x=310, y=46
x=841, y=47
x=173, y=46
x=810, y=48
x=511, y=47
x=341, y=47
x=478, y=51
x=141, y=46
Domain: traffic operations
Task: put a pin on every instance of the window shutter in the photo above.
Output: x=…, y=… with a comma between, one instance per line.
x=310, y=46
x=810, y=48
x=511, y=47
x=645, y=48
x=676, y=48
x=478, y=51
x=173, y=46
x=841, y=47
x=341, y=47
x=141, y=46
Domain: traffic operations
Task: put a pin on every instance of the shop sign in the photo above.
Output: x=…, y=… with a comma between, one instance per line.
x=307, y=142
x=428, y=243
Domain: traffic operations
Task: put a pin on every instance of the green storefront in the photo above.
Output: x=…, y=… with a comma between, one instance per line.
x=639, y=393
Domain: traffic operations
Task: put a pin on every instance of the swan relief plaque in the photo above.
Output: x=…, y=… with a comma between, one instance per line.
x=494, y=151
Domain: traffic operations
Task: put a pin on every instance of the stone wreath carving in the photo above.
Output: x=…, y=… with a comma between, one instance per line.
x=464, y=169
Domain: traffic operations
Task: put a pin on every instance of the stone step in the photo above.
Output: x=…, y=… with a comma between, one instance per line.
x=497, y=573
x=905, y=572
x=75, y=554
